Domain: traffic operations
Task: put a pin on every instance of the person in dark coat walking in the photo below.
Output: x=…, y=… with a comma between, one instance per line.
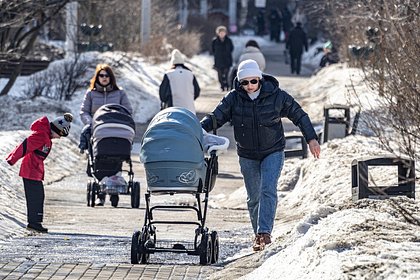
x=34, y=150
x=255, y=108
x=222, y=48
x=295, y=43
x=275, y=26
x=287, y=22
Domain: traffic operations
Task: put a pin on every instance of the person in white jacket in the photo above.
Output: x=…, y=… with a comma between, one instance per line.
x=179, y=87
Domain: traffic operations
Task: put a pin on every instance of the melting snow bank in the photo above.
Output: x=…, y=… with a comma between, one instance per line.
x=369, y=240
x=336, y=238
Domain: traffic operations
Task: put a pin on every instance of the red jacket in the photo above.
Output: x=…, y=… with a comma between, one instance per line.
x=34, y=150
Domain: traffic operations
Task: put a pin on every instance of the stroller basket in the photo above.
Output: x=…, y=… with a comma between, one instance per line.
x=114, y=189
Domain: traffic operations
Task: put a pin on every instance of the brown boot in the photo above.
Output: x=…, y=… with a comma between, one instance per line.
x=266, y=237
x=258, y=243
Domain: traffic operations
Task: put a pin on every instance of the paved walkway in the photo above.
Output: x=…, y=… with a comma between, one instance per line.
x=56, y=271
x=229, y=180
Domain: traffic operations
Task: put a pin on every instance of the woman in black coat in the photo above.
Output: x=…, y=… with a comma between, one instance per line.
x=222, y=48
x=255, y=108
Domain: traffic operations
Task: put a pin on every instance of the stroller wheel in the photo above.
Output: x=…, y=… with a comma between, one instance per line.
x=206, y=249
x=215, y=242
x=114, y=200
x=145, y=243
x=88, y=193
x=92, y=192
x=135, y=248
x=135, y=195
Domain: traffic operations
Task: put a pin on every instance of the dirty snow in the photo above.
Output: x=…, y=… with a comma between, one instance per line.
x=331, y=237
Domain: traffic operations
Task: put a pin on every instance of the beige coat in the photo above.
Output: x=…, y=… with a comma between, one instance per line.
x=254, y=54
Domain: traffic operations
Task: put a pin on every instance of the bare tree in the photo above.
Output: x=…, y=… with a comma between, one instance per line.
x=388, y=39
x=20, y=23
x=393, y=69
x=121, y=20
x=60, y=81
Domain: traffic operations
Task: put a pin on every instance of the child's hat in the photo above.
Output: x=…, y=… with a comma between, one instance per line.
x=61, y=125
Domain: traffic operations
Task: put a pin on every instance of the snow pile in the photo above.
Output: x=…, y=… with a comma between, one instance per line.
x=327, y=235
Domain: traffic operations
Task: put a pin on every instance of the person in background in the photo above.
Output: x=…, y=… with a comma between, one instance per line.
x=275, y=25
x=255, y=107
x=179, y=86
x=287, y=26
x=287, y=22
x=296, y=43
x=330, y=55
x=102, y=90
x=299, y=16
x=34, y=150
x=222, y=48
x=261, y=22
x=251, y=51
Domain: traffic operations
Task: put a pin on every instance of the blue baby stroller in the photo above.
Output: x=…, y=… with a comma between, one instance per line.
x=110, y=145
x=173, y=154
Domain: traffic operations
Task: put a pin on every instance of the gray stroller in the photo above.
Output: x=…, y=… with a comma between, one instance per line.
x=110, y=145
x=173, y=154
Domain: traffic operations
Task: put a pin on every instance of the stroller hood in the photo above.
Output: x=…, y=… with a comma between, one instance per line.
x=174, y=134
x=113, y=120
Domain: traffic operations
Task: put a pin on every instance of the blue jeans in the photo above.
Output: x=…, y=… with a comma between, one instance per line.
x=261, y=178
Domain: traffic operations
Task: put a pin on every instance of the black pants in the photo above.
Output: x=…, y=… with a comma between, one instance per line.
x=35, y=196
x=295, y=61
x=222, y=75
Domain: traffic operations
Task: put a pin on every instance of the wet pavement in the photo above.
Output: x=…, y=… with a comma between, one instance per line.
x=94, y=243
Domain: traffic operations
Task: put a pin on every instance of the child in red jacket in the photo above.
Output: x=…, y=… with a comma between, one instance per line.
x=34, y=150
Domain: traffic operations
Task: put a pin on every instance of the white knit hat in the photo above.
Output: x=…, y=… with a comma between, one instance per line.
x=177, y=57
x=248, y=68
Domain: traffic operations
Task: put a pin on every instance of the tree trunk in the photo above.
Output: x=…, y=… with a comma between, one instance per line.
x=18, y=68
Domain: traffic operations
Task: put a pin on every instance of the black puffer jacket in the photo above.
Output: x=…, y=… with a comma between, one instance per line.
x=222, y=51
x=257, y=123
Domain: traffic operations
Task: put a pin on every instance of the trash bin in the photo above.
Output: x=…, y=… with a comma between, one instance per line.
x=296, y=145
x=336, y=122
x=404, y=181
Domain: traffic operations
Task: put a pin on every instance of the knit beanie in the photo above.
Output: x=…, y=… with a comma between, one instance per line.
x=328, y=45
x=177, y=57
x=61, y=125
x=221, y=28
x=248, y=68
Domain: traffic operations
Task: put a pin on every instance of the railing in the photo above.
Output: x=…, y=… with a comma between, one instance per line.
x=29, y=67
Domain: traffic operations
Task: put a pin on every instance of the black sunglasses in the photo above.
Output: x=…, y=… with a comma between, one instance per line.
x=103, y=75
x=246, y=82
